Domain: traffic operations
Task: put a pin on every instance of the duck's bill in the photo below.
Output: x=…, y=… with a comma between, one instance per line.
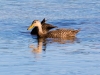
x=30, y=27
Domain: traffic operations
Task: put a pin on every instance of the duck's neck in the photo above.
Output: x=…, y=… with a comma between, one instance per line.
x=40, y=32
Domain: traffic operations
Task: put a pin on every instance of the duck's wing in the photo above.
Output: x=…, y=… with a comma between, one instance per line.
x=43, y=21
x=46, y=25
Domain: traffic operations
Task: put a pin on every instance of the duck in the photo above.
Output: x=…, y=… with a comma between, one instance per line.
x=45, y=27
x=57, y=33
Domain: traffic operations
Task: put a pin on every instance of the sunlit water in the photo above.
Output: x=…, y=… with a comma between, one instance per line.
x=19, y=52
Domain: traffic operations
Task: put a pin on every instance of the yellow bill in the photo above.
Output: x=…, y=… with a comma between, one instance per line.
x=30, y=27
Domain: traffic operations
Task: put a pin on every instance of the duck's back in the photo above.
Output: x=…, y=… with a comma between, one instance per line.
x=60, y=33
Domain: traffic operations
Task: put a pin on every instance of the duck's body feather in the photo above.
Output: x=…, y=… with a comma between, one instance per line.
x=61, y=33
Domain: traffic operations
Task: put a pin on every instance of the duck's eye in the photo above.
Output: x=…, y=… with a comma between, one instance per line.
x=34, y=22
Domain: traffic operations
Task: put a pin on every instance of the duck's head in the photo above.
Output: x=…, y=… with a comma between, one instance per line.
x=35, y=23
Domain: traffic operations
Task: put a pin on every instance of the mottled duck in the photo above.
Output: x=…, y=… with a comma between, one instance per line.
x=58, y=33
x=45, y=27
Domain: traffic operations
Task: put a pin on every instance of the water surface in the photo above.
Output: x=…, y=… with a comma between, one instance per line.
x=18, y=49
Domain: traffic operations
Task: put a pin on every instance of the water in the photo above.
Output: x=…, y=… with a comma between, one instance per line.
x=19, y=53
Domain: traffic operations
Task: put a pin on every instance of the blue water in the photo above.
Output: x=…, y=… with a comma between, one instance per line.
x=18, y=49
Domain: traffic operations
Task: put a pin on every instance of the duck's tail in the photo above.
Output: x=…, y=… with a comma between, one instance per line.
x=76, y=31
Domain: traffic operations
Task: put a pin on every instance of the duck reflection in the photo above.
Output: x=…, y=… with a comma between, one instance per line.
x=63, y=40
x=42, y=43
x=39, y=48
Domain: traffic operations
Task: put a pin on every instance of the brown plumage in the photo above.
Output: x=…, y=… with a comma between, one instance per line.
x=61, y=33
x=58, y=33
x=45, y=27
